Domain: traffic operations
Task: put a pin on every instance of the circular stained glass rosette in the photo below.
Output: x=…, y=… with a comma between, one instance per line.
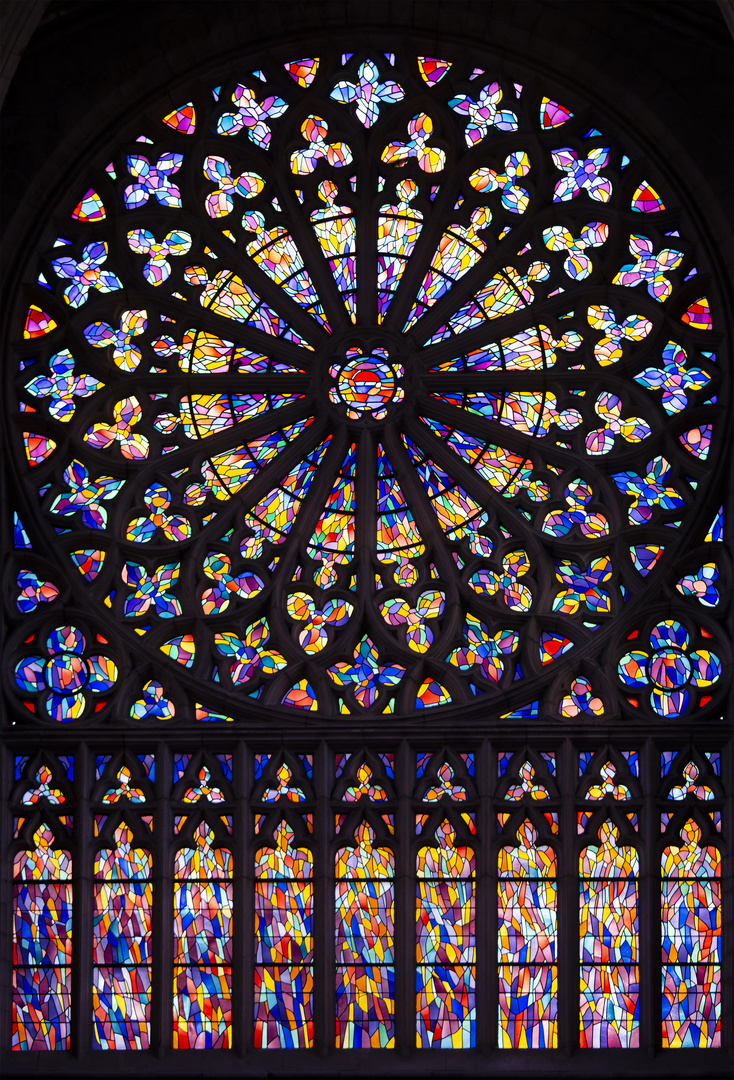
x=366, y=385
x=358, y=386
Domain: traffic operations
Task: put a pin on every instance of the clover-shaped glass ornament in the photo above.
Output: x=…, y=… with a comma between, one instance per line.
x=65, y=675
x=365, y=675
x=669, y=669
x=368, y=93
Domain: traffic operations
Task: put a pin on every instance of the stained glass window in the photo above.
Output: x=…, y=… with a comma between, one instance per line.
x=609, y=942
x=202, y=904
x=691, y=931
x=691, y=903
x=342, y=388
x=284, y=944
x=42, y=944
x=222, y=408
x=526, y=947
x=123, y=900
x=446, y=942
x=364, y=924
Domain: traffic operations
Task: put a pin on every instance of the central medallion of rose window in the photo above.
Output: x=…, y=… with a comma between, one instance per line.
x=366, y=384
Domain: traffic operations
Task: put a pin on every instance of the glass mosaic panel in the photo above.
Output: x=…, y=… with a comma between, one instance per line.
x=121, y=990
x=691, y=942
x=463, y=378
x=202, y=936
x=526, y=945
x=284, y=944
x=608, y=929
x=42, y=924
x=364, y=931
x=445, y=944
x=514, y=382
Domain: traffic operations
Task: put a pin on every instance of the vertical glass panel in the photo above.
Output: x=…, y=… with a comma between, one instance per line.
x=123, y=899
x=41, y=1008
x=42, y=946
x=336, y=232
x=283, y=944
x=608, y=943
x=526, y=946
x=202, y=1016
x=121, y=1004
x=445, y=944
x=398, y=228
x=365, y=972
x=691, y=941
x=202, y=901
x=42, y=924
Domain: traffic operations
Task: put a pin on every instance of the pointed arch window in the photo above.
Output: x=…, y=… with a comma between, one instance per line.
x=691, y=935
x=609, y=941
x=42, y=940
x=202, y=936
x=123, y=902
x=364, y=924
x=446, y=940
x=526, y=952
x=284, y=941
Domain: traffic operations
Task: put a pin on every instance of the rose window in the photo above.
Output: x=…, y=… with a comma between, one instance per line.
x=367, y=384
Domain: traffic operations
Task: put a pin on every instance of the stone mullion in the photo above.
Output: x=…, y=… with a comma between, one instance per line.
x=466, y=287
x=314, y=501
x=544, y=311
x=485, y=903
x=460, y=471
x=419, y=503
x=302, y=231
x=239, y=262
x=243, y=907
x=232, y=438
x=493, y=432
x=163, y=846
x=243, y=334
x=434, y=225
x=567, y=926
x=324, y=991
x=82, y=950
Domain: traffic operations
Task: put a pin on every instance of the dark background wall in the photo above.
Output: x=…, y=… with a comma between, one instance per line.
x=71, y=68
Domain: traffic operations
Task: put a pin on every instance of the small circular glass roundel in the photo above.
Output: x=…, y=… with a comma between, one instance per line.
x=366, y=384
